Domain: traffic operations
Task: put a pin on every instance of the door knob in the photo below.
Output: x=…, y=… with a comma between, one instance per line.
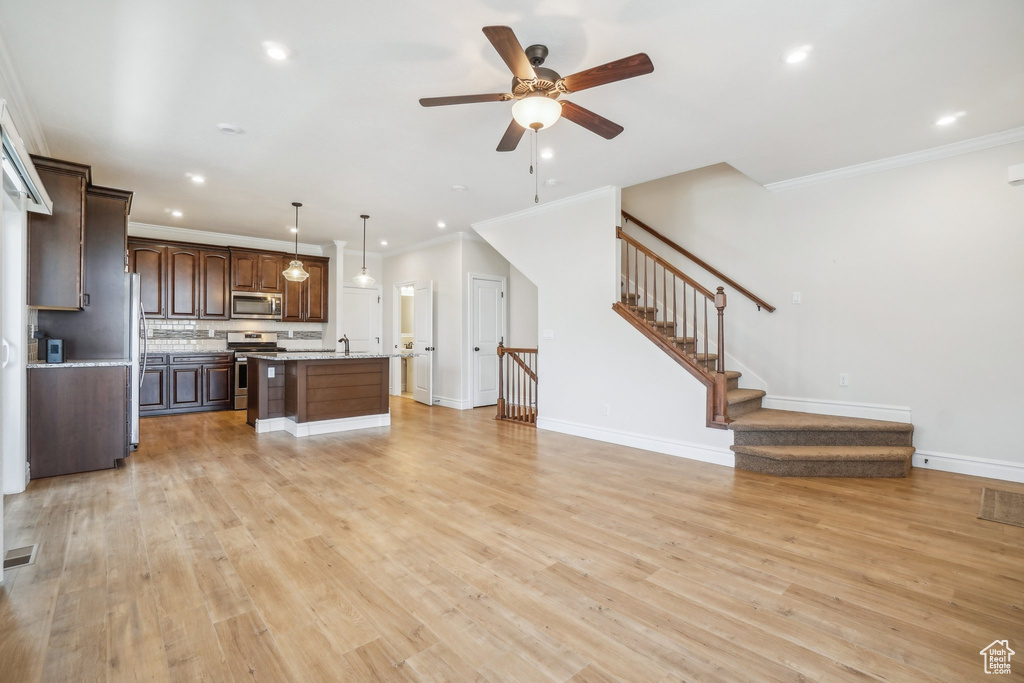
x=476, y=348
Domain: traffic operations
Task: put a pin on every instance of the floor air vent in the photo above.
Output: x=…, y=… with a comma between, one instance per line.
x=19, y=557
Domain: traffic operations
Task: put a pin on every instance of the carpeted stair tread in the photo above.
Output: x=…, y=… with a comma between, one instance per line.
x=682, y=340
x=733, y=374
x=788, y=420
x=829, y=453
x=734, y=396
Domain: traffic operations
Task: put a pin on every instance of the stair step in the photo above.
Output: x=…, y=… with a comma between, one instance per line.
x=732, y=379
x=643, y=309
x=825, y=461
x=683, y=341
x=661, y=323
x=630, y=297
x=789, y=428
x=743, y=401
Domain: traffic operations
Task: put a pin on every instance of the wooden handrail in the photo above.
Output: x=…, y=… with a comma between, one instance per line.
x=664, y=264
x=761, y=303
x=514, y=352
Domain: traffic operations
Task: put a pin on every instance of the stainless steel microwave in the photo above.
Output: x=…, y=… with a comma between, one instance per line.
x=262, y=306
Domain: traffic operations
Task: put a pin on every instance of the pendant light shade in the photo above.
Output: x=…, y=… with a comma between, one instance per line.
x=295, y=272
x=536, y=112
x=364, y=279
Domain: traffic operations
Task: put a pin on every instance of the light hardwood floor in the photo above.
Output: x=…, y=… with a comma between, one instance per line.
x=453, y=547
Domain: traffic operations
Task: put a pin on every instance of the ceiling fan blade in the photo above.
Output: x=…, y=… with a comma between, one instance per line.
x=510, y=140
x=619, y=70
x=591, y=121
x=508, y=47
x=464, y=99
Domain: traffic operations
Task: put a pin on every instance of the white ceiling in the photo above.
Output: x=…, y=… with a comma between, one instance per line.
x=137, y=89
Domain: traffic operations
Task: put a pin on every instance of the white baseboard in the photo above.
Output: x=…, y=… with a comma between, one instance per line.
x=966, y=464
x=869, y=411
x=455, y=403
x=345, y=424
x=682, y=449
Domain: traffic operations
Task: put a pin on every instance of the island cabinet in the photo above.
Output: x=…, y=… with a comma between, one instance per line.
x=321, y=388
x=307, y=301
x=56, y=242
x=182, y=281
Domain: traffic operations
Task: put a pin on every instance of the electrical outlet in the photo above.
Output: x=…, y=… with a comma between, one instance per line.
x=271, y=372
x=291, y=333
x=548, y=334
x=209, y=333
x=796, y=297
x=607, y=409
x=844, y=379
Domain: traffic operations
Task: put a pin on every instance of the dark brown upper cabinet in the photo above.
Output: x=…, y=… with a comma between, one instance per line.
x=215, y=284
x=257, y=271
x=56, y=259
x=183, y=281
x=307, y=301
x=149, y=260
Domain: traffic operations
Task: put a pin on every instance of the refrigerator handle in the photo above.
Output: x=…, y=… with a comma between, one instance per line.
x=145, y=346
x=6, y=353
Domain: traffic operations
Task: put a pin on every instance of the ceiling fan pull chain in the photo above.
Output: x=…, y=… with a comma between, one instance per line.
x=536, y=176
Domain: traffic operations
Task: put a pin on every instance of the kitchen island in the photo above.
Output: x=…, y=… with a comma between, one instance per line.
x=318, y=393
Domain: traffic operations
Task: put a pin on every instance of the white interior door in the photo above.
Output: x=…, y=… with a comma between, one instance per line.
x=362, y=315
x=487, y=328
x=423, y=342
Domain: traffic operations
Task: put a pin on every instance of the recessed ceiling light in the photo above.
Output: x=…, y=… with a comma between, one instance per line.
x=383, y=243
x=551, y=182
x=458, y=188
x=176, y=214
x=546, y=153
x=293, y=229
x=196, y=178
x=949, y=118
x=276, y=50
x=797, y=55
x=440, y=224
x=229, y=129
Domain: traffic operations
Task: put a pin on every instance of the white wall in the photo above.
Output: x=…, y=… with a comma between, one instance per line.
x=599, y=377
x=911, y=281
x=522, y=310
x=440, y=263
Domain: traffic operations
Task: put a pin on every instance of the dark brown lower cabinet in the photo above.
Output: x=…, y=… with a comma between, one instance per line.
x=218, y=386
x=186, y=386
x=77, y=419
x=187, y=383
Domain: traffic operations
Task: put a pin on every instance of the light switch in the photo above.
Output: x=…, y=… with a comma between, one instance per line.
x=549, y=334
x=796, y=297
x=270, y=372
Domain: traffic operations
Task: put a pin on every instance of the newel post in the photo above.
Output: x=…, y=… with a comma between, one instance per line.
x=721, y=383
x=501, y=383
x=720, y=305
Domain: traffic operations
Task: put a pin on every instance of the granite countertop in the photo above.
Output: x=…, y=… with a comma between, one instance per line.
x=314, y=355
x=106, y=363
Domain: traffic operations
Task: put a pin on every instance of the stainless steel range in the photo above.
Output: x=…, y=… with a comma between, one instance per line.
x=248, y=342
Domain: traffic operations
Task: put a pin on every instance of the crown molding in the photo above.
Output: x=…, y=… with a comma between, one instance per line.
x=590, y=195
x=1006, y=137
x=220, y=239
x=24, y=116
x=433, y=242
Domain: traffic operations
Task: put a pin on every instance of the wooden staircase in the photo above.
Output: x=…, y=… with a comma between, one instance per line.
x=687, y=321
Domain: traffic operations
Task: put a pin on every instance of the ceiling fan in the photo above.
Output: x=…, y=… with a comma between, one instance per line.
x=536, y=89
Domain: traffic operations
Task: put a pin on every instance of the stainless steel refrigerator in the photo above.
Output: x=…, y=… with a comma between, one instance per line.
x=136, y=345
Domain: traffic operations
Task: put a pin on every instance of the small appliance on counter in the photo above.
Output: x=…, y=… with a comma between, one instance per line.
x=248, y=342
x=54, y=350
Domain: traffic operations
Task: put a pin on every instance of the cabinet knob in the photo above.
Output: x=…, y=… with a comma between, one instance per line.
x=476, y=348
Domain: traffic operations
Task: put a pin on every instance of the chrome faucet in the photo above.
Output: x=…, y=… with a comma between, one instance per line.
x=344, y=340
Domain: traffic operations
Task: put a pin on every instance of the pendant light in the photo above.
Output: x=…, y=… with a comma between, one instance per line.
x=295, y=272
x=364, y=279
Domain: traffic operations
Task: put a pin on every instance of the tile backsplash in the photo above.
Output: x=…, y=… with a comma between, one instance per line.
x=211, y=335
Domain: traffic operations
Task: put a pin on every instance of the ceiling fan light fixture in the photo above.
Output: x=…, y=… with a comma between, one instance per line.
x=536, y=112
